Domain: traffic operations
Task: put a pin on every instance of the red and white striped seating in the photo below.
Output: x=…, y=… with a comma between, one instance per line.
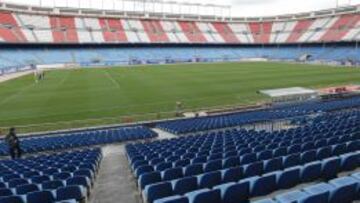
x=35, y=28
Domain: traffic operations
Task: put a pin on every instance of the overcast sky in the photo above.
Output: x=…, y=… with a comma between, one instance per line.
x=239, y=7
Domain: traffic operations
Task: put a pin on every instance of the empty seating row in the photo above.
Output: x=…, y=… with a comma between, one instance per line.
x=80, y=139
x=69, y=194
x=343, y=189
x=223, y=121
x=49, y=178
x=224, y=148
x=201, y=164
x=319, y=148
x=229, y=140
x=243, y=171
x=241, y=189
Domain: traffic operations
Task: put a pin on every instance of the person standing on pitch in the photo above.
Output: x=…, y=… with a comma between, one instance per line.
x=13, y=143
x=36, y=76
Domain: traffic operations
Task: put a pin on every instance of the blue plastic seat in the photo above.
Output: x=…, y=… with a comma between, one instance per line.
x=345, y=189
x=291, y=160
x=357, y=177
x=292, y=196
x=172, y=158
x=353, y=146
x=350, y=161
x=149, y=178
x=253, y=169
x=40, y=179
x=68, y=169
x=182, y=163
x=79, y=180
x=215, y=156
x=273, y=165
x=188, y=156
x=70, y=192
x=40, y=197
x=311, y=171
x=264, y=155
x=17, y=182
x=62, y=176
x=139, y=163
x=9, y=177
x=248, y=158
x=184, y=185
x=296, y=148
x=210, y=179
x=24, y=189
x=193, y=169
x=156, y=161
x=213, y=165
x=11, y=199
x=308, y=156
x=234, y=192
x=163, y=166
x=84, y=172
x=52, y=185
x=171, y=174
x=330, y=167
x=232, y=153
x=5, y=192
x=91, y=167
x=324, y=152
x=288, y=178
x=157, y=191
x=231, y=174
x=231, y=162
x=333, y=140
x=30, y=174
x=204, y=196
x=263, y=185
x=173, y=199
x=282, y=151
x=50, y=171
x=199, y=160
x=143, y=169
x=339, y=149
x=244, y=151
x=307, y=146
x=320, y=143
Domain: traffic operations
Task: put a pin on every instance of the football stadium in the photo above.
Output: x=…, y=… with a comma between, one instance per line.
x=156, y=101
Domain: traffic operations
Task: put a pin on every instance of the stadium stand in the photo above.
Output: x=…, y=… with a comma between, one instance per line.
x=211, y=159
x=237, y=165
x=278, y=38
x=80, y=139
x=22, y=27
x=11, y=58
x=236, y=119
x=63, y=177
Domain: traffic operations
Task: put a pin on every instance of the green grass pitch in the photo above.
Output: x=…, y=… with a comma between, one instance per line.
x=69, y=95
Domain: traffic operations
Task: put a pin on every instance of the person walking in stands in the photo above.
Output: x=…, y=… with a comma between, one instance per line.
x=13, y=143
